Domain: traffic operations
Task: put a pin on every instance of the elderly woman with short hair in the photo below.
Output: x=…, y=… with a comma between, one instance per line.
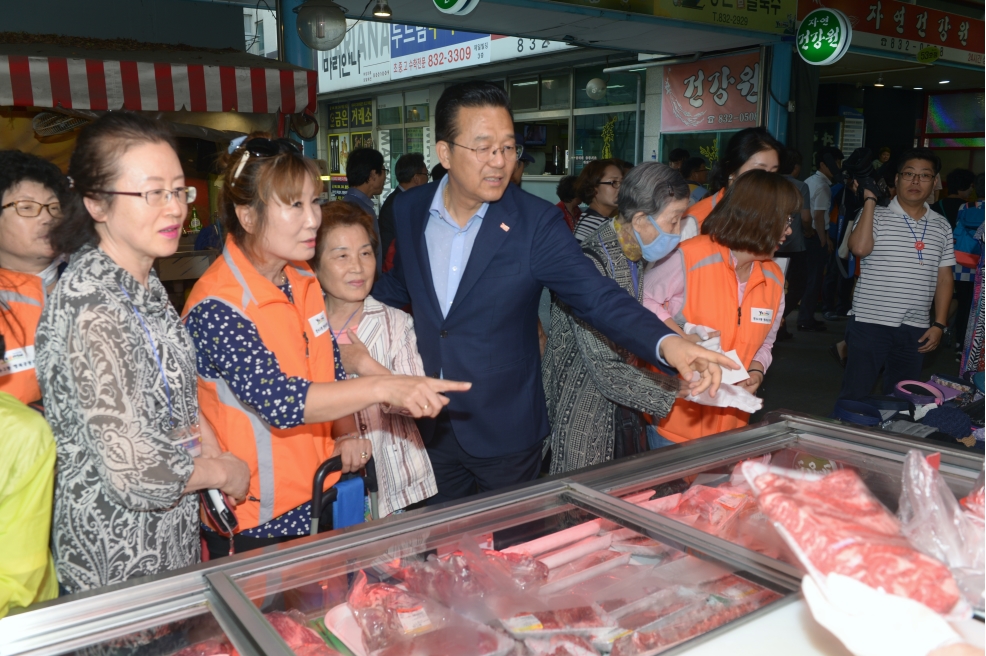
x=595, y=390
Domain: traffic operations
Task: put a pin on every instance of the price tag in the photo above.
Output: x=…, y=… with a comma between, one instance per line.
x=523, y=622
x=414, y=620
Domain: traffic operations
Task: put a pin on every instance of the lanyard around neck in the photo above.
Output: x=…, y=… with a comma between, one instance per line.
x=918, y=243
x=157, y=358
x=612, y=267
x=335, y=335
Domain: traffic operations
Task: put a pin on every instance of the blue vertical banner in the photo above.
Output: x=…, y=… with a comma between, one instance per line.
x=421, y=50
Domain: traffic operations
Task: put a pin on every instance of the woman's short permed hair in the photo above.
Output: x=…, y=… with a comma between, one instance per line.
x=337, y=214
x=753, y=214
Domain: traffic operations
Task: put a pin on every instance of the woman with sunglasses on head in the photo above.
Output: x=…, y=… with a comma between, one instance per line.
x=598, y=186
x=267, y=360
x=29, y=202
x=597, y=392
x=117, y=368
x=748, y=150
x=725, y=280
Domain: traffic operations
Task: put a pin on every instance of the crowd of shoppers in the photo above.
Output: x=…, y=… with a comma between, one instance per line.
x=295, y=345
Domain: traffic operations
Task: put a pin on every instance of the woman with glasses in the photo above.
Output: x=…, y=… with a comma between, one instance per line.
x=117, y=369
x=598, y=186
x=597, y=392
x=270, y=374
x=29, y=202
x=725, y=280
x=747, y=150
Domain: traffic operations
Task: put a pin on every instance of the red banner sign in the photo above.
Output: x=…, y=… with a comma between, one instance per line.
x=899, y=27
x=712, y=94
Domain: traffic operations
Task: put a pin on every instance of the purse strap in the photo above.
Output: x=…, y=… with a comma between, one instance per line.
x=936, y=396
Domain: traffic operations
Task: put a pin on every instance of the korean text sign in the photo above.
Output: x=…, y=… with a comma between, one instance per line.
x=712, y=94
x=906, y=28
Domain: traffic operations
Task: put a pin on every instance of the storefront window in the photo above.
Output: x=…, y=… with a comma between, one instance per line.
x=415, y=113
x=707, y=145
x=601, y=136
x=615, y=89
x=389, y=116
x=395, y=146
x=524, y=94
x=555, y=91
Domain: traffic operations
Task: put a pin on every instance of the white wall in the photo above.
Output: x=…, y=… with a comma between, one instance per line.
x=652, y=114
x=269, y=28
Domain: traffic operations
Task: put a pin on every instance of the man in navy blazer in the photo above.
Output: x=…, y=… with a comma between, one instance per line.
x=473, y=254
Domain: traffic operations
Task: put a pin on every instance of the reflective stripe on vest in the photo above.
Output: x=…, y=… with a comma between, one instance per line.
x=21, y=304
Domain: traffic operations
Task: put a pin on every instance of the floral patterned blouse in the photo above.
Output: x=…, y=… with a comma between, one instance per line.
x=119, y=508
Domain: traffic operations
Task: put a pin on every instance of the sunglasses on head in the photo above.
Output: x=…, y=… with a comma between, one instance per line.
x=264, y=148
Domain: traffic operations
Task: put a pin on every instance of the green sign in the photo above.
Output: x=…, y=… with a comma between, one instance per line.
x=929, y=55
x=824, y=37
x=455, y=7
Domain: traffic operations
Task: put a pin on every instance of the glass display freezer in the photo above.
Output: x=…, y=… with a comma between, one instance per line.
x=500, y=573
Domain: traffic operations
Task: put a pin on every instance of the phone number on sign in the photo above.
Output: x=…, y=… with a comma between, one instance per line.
x=744, y=117
x=437, y=59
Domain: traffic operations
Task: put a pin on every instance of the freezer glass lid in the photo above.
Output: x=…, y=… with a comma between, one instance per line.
x=540, y=574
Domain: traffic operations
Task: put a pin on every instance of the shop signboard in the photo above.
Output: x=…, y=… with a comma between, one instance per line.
x=906, y=28
x=362, y=58
x=422, y=50
x=373, y=53
x=824, y=37
x=717, y=94
x=772, y=16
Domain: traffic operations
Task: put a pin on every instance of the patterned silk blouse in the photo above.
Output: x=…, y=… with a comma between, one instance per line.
x=119, y=508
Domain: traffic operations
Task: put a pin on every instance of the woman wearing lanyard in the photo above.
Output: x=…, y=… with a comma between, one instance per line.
x=384, y=344
x=117, y=368
x=595, y=391
x=724, y=279
x=267, y=362
x=748, y=150
x=29, y=202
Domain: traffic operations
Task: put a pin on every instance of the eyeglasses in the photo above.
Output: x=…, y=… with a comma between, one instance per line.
x=265, y=148
x=615, y=184
x=790, y=219
x=30, y=209
x=158, y=197
x=486, y=153
x=907, y=176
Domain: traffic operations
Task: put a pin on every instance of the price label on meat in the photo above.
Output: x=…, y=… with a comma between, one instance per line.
x=421, y=50
x=414, y=620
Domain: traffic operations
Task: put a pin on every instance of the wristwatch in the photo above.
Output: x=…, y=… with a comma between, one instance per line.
x=939, y=326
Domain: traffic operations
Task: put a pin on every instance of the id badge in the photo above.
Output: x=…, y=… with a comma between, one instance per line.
x=189, y=438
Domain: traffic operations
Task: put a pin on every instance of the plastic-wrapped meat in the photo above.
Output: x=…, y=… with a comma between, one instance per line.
x=558, y=539
x=540, y=623
x=716, y=506
x=560, y=645
x=443, y=580
x=689, y=613
x=582, y=548
x=473, y=639
x=387, y=614
x=525, y=571
x=207, y=648
x=291, y=627
x=583, y=569
x=834, y=524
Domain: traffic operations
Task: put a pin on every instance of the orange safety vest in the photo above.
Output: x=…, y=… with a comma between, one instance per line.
x=711, y=299
x=282, y=461
x=701, y=210
x=23, y=298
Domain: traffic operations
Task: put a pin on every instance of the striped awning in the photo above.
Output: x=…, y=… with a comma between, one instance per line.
x=97, y=84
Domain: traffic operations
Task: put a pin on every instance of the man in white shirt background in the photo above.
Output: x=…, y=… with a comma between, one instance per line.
x=817, y=245
x=906, y=267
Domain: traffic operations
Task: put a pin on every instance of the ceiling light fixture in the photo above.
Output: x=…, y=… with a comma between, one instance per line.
x=321, y=24
x=382, y=10
x=918, y=88
x=879, y=82
x=897, y=86
x=943, y=82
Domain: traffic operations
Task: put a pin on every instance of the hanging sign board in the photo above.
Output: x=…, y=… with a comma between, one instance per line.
x=906, y=28
x=722, y=93
x=824, y=37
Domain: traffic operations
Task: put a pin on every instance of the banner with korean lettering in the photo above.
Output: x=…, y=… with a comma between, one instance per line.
x=362, y=58
x=905, y=28
x=421, y=50
x=712, y=94
x=773, y=16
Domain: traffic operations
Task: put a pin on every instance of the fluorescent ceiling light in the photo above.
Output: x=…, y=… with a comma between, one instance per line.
x=524, y=84
x=943, y=82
